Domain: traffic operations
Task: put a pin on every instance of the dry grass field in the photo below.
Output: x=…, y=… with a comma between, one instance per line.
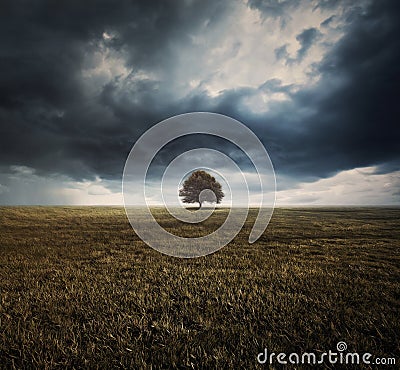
x=79, y=289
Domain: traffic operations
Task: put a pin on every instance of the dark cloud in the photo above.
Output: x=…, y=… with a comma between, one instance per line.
x=327, y=21
x=350, y=118
x=281, y=53
x=331, y=4
x=53, y=122
x=274, y=8
x=306, y=39
x=282, y=8
x=49, y=121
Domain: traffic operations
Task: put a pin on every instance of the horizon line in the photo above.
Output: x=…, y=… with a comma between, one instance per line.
x=219, y=207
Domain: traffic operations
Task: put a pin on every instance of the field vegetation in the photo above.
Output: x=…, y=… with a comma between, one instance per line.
x=79, y=289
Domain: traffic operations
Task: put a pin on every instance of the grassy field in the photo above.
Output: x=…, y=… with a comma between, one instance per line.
x=79, y=289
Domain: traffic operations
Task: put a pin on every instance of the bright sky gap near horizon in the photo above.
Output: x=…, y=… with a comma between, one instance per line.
x=316, y=80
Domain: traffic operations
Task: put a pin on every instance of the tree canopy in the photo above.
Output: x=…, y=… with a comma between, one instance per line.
x=201, y=187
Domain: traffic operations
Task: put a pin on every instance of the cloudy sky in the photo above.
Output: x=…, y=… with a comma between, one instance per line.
x=316, y=80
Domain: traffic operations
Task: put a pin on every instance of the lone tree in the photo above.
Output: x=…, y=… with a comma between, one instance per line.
x=201, y=187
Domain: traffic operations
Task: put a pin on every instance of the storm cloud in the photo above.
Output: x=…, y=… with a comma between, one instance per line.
x=81, y=81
